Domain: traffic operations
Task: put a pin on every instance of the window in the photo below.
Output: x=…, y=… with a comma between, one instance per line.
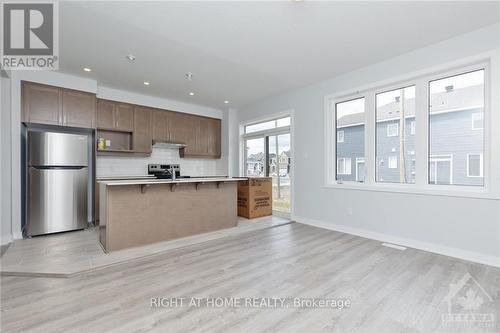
x=393, y=108
x=360, y=169
x=393, y=162
x=453, y=102
x=441, y=170
x=475, y=165
x=477, y=121
x=350, y=120
x=343, y=166
x=255, y=157
x=412, y=127
x=393, y=129
x=340, y=136
x=266, y=125
x=452, y=143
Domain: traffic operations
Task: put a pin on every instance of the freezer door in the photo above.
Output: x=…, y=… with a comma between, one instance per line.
x=57, y=149
x=57, y=200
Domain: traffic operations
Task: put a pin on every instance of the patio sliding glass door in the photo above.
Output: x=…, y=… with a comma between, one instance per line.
x=268, y=154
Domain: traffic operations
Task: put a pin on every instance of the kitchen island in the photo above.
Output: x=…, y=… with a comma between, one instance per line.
x=139, y=212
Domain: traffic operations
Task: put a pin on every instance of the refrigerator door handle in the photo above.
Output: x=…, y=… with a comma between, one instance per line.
x=55, y=167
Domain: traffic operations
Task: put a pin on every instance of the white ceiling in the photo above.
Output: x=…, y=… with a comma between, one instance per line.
x=246, y=51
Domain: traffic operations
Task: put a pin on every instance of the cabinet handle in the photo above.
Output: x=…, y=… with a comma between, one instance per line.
x=116, y=123
x=64, y=119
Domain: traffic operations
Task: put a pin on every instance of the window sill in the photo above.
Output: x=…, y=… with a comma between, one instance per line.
x=458, y=192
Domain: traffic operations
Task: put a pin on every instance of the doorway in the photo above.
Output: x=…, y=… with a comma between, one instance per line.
x=268, y=153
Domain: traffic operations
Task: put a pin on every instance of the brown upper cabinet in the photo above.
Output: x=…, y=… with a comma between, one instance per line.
x=141, y=139
x=51, y=105
x=214, y=137
x=115, y=116
x=205, y=134
x=129, y=128
x=78, y=108
x=201, y=135
x=160, y=125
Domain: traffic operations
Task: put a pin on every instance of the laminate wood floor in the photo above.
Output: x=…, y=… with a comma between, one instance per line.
x=70, y=253
x=389, y=290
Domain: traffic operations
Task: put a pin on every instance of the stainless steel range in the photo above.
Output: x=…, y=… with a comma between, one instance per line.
x=166, y=171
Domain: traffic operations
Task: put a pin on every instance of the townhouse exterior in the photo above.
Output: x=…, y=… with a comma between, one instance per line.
x=455, y=145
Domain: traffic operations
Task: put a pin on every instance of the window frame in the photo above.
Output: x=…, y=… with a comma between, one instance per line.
x=338, y=140
x=392, y=157
x=344, y=160
x=473, y=120
x=481, y=165
x=276, y=128
x=441, y=158
x=335, y=131
x=391, y=125
x=486, y=83
x=421, y=80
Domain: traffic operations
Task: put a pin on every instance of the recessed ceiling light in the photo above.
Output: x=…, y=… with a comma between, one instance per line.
x=146, y=83
x=226, y=102
x=130, y=57
x=87, y=69
x=191, y=94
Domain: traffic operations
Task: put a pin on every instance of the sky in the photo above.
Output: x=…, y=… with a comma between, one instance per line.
x=255, y=146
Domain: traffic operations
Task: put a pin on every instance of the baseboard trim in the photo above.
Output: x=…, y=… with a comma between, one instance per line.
x=407, y=242
x=5, y=239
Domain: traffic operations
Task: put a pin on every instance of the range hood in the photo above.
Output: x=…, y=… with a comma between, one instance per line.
x=168, y=144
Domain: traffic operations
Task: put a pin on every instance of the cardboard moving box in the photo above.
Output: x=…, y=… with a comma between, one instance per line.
x=255, y=197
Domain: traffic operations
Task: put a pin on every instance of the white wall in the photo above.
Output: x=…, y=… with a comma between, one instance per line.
x=122, y=166
x=105, y=165
x=5, y=163
x=458, y=226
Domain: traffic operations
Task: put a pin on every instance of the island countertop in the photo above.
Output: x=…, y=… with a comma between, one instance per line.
x=144, y=211
x=168, y=181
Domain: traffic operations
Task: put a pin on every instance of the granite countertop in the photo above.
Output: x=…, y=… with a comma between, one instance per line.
x=168, y=181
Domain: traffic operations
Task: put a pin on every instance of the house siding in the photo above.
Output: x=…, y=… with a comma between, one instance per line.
x=451, y=135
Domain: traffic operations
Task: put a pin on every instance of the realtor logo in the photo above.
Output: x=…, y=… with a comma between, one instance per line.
x=30, y=35
x=469, y=305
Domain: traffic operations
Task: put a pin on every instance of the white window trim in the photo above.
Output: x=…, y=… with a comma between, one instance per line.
x=391, y=126
x=481, y=165
x=420, y=79
x=412, y=127
x=266, y=120
x=389, y=161
x=473, y=119
x=338, y=136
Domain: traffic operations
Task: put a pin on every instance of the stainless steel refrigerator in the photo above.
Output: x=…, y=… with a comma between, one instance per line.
x=57, y=182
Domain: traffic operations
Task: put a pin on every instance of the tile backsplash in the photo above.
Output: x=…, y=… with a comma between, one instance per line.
x=123, y=166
